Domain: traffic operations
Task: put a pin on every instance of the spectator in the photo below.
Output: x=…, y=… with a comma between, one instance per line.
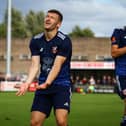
x=109, y=80
x=78, y=80
x=72, y=83
x=92, y=80
x=84, y=80
x=98, y=81
x=114, y=82
x=104, y=80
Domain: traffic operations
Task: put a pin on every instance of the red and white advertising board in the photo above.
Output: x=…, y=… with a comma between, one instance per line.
x=92, y=65
x=8, y=85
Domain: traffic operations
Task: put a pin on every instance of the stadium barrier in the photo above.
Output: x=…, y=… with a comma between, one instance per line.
x=95, y=89
x=9, y=86
x=104, y=89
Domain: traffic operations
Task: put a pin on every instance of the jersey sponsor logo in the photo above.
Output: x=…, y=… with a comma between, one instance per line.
x=54, y=50
x=41, y=50
x=47, y=64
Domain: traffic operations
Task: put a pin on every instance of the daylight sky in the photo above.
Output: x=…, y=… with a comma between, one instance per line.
x=102, y=16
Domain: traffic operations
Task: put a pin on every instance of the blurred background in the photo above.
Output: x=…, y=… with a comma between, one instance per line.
x=89, y=23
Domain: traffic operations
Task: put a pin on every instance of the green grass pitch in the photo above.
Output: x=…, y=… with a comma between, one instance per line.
x=86, y=110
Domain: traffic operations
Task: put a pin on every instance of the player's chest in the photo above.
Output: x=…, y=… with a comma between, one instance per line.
x=49, y=48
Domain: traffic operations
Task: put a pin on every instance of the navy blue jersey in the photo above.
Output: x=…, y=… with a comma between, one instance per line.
x=119, y=38
x=48, y=50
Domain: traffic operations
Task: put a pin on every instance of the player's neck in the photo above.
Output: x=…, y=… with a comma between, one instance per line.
x=50, y=34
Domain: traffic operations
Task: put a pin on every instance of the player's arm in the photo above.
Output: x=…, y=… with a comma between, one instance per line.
x=59, y=60
x=116, y=51
x=33, y=70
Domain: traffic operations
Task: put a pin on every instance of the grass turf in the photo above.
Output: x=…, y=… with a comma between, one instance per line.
x=86, y=110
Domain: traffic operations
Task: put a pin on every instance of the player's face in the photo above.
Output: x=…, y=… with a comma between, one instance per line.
x=51, y=22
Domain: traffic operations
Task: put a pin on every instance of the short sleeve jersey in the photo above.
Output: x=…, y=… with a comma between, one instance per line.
x=60, y=45
x=119, y=38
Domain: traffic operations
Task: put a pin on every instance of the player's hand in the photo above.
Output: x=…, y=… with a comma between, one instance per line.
x=22, y=89
x=124, y=91
x=42, y=86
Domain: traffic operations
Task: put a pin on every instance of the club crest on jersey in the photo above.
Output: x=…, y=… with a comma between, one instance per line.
x=54, y=50
x=113, y=39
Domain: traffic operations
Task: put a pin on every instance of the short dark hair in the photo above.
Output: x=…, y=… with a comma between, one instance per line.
x=57, y=12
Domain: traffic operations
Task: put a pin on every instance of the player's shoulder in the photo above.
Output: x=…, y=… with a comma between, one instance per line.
x=38, y=36
x=117, y=30
x=61, y=35
x=35, y=39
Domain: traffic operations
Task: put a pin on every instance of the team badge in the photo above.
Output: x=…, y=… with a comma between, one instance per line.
x=113, y=39
x=54, y=50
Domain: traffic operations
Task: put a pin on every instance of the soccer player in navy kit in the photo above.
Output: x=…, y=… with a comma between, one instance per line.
x=118, y=52
x=51, y=50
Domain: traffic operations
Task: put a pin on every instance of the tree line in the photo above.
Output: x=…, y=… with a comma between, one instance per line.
x=32, y=24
